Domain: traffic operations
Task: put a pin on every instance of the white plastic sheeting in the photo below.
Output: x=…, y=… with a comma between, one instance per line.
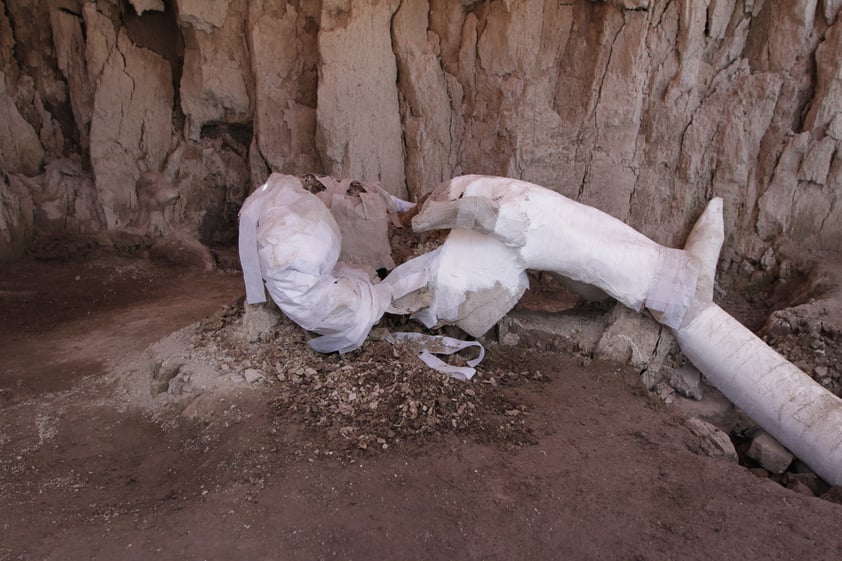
x=526, y=226
x=472, y=283
x=431, y=345
x=290, y=240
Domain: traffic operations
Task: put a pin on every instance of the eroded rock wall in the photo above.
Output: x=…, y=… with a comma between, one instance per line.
x=643, y=108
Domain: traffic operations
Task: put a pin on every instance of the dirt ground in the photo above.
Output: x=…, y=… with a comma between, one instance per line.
x=597, y=469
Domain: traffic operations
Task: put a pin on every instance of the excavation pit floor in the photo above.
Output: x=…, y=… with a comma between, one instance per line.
x=558, y=460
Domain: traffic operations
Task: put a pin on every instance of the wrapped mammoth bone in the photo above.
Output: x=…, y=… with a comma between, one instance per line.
x=532, y=227
x=290, y=240
x=500, y=228
x=504, y=226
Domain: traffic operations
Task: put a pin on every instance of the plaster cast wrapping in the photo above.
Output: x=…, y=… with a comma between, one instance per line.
x=289, y=238
x=546, y=231
x=782, y=399
x=669, y=297
x=536, y=228
x=472, y=283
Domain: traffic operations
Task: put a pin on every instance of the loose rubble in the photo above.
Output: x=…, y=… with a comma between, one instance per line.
x=372, y=399
x=688, y=382
x=769, y=453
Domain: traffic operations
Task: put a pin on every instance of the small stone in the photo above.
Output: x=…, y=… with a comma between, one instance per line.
x=203, y=406
x=649, y=378
x=769, y=453
x=712, y=441
x=510, y=340
x=820, y=371
x=665, y=392
x=378, y=334
x=687, y=381
x=758, y=278
x=252, y=375
x=177, y=386
x=345, y=409
x=164, y=374
x=746, y=269
x=259, y=319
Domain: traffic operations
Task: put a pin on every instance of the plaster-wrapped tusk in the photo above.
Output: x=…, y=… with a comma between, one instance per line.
x=549, y=232
x=786, y=402
x=526, y=226
x=704, y=244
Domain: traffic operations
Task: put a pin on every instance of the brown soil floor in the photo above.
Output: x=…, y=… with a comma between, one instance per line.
x=609, y=473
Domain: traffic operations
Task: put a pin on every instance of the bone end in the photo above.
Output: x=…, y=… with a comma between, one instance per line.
x=704, y=244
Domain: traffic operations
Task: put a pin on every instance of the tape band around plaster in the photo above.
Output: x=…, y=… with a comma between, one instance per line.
x=248, y=250
x=431, y=345
x=477, y=213
x=673, y=287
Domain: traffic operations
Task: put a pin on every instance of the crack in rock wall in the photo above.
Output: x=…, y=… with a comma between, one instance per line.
x=644, y=109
